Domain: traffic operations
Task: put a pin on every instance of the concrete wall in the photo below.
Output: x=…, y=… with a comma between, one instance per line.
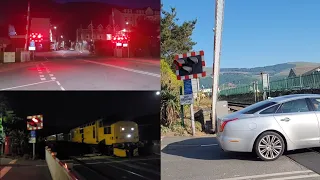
x=58, y=169
x=12, y=57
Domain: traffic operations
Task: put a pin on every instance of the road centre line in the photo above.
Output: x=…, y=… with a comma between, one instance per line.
x=15, y=87
x=126, y=69
x=269, y=175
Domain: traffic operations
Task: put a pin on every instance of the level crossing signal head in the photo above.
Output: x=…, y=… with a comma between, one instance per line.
x=189, y=65
x=34, y=122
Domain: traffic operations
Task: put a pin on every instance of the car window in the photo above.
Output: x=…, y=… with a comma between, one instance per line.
x=270, y=110
x=257, y=107
x=299, y=105
x=316, y=103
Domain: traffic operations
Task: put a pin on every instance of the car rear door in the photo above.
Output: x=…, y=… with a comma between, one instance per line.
x=316, y=108
x=299, y=122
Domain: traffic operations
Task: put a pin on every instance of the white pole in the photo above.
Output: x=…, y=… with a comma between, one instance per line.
x=192, y=120
x=33, y=150
x=216, y=60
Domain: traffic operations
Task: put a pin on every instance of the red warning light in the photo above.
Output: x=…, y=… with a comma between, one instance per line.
x=34, y=36
x=39, y=36
x=36, y=40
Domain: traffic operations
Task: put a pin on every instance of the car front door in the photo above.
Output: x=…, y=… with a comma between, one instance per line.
x=299, y=122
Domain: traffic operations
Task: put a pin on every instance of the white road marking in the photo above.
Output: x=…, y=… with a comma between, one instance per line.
x=126, y=69
x=296, y=177
x=53, y=78
x=269, y=175
x=6, y=169
x=43, y=79
x=25, y=85
x=62, y=88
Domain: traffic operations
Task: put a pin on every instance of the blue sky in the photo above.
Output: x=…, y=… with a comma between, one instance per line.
x=256, y=33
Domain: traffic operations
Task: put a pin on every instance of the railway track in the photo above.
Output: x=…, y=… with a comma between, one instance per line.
x=114, y=168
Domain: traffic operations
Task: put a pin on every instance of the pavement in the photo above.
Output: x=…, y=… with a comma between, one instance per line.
x=17, y=169
x=114, y=168
x=201, y=158
x=73, y=70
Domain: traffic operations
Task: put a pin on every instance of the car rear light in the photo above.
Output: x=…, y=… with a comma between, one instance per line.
x=224, y=123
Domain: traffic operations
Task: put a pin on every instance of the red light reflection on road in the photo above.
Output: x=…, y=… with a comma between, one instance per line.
x=36, y=69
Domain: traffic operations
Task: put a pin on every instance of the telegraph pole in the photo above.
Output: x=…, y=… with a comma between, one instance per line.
x=216, y=59
x=27, y=27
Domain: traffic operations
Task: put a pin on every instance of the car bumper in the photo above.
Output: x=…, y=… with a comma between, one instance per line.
x=234, y=144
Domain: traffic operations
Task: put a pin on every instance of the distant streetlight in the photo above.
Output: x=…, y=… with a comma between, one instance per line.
x=124, y=30
x=61, y=36
x=158, y=93
x=55, y=27
x=127, y=23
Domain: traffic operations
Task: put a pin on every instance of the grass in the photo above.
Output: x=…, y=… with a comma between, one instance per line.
x=178, y=130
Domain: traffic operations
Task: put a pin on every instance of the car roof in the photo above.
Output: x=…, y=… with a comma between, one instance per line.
x=290, y=97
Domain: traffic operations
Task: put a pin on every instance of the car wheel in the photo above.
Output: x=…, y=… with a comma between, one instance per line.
x=269, y=146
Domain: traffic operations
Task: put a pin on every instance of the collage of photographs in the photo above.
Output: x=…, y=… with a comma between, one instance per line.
x=159, y=90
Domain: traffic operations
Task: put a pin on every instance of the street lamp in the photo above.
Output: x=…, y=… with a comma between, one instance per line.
x=158, y=93
x=127, y=23
x=55, y=27
x=61, y=36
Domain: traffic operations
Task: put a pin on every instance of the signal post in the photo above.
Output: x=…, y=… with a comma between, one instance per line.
x=189, y=66
x=34, y=123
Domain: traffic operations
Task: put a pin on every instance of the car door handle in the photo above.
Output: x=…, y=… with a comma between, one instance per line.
x=285, y=119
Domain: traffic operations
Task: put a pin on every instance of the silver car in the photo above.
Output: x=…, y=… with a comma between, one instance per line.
x=273, y=126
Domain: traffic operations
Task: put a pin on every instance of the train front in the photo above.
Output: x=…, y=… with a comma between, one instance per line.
x=126, y=139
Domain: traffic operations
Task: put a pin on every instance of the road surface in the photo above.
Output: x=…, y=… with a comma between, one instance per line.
x=72, y=70
x=184, y=158
x=12, y=169
x=114, y=168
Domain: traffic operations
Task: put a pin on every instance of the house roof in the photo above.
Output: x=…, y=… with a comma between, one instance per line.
x=311, y=71
x=303, y=69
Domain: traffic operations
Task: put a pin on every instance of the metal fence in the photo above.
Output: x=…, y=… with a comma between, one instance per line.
x=311, y=81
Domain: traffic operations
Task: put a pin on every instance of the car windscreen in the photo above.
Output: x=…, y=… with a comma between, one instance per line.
x=256, y=107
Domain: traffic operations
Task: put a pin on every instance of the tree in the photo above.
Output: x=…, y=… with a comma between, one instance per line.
x=175, y=39
x=170, y=92
x=9, y=119
x=144, y=36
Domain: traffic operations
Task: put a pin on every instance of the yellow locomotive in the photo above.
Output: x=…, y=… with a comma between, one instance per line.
x=120, y=138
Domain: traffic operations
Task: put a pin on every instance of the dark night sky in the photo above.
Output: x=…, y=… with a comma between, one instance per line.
x=67, y=16
x=63, y=110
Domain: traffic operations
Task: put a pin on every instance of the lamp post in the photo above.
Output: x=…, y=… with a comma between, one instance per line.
x=127, y=26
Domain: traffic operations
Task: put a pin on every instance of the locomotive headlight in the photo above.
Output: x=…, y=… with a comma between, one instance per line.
x=122, y=129
x=129, y=136
x=132, y=129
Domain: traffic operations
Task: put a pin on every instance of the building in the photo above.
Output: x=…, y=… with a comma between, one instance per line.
x=43, y=26
x=95, y=33
x=125, y=17
x=301, y=71
x=123, y=20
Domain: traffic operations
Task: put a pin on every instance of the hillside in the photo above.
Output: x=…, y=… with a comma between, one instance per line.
x=240, y=76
